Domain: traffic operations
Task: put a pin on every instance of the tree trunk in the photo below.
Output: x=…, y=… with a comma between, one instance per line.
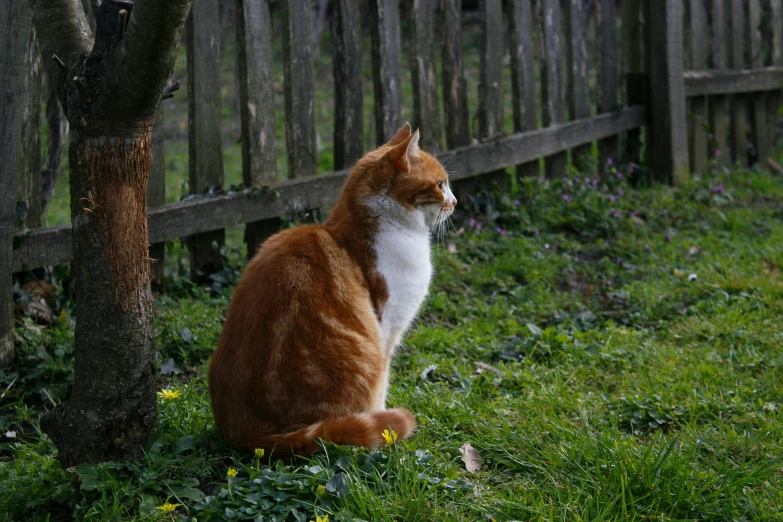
x=111, y=412
x=110, y=92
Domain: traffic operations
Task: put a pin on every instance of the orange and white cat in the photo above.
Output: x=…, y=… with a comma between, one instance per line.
x=316, y=317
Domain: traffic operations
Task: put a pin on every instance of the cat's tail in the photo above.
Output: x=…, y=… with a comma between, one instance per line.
x=361, y=429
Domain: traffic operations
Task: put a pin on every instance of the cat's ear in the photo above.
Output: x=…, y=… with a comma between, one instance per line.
x=405, y=152
x=402, y=135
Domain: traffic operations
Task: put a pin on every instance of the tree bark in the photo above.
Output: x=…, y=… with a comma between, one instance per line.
x=110, y=88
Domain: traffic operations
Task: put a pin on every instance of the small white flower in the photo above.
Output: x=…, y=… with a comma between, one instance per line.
x=692, y=277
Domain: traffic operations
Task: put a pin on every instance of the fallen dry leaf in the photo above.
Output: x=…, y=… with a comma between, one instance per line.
x=40, y=288
x=37, y=308
x=770, y=267
x=470, y=457
x=678, y=273
x=637, y=220
x=452, y=248
x=692, y=251
x=484, y=366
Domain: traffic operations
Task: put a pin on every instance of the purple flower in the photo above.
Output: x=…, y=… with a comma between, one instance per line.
x=619, y=175
x=609, y=283
x=630, y=168
x=718, y=189
x=478, y=227
x=609, y=161
x=577, y=181
x=472, y=223
x=538, y=232
x=516, y=203
x=717, y=153
x=567, y=198
x=616, y=214
x=612, y=198
x=619, y=260
x=500, y=231
x=647, y=246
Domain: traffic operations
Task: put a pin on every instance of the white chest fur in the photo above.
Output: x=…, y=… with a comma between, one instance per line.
x=403, y=259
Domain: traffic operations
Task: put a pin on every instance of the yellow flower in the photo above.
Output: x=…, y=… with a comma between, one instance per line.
x=259, y=452
x=167, y=507
x=320, y=490
x=390, y=437
x=325, y=518
x=169, y=394
x=231, y=472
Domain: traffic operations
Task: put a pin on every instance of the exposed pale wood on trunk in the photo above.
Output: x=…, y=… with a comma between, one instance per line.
x=552, y=92
x=719, y=105
x=348, y=97
x=53, y=245
x=426, y=111
x=300, y=140
x=256, y=107
x=739, y=109
x=205, y=148
x=523, y=76
x=455, y=95
x=698, y=105
x=668, y=138
x=387, y=75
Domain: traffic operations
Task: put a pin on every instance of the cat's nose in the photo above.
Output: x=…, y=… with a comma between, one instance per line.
x=453, y=201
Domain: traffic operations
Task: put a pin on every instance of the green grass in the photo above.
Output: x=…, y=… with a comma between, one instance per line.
x=628, y=388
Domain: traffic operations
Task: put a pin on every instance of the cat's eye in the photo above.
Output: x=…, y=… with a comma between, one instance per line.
x=440, y=185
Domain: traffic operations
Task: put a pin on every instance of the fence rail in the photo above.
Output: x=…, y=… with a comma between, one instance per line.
x=570, y=86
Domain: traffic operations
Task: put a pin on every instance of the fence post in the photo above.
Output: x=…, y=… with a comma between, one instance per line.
x=28, y=188
x=455, y=95
x=426, y=112
x=697, y=104
x=719, y=105
x=256, y=108
x=668, y=139
x=607, y=101
x=776, y=58
x=553, y=95
x=156, y=196
x=348, y=98
x=204, y=133
x=634, y=73
x=387, y=76
x=523, y=76
x=739, y=108
x=15, y=26
x=758, y=100
x=299, y=102
x=577, y=69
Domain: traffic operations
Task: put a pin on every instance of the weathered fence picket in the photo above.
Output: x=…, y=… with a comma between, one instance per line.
x=426, y=112
x=455, y=95
x=386, y=60
x=348, y=98
x=205, y=148
x=300, y=139
x=608, y=96
x=577, y=65
x=256, y=107
x=634, y=72
x=523, y=88
x=697, y=106
x=719, y=104
x=760, y=136
x=739, y=107
x=156, y=196
x=552, y=92
x=775, y=98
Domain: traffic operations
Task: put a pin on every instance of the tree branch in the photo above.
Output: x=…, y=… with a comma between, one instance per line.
x=63, y=31
x=147, y=55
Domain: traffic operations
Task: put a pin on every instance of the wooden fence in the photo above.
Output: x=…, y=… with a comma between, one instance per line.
x=582, y=71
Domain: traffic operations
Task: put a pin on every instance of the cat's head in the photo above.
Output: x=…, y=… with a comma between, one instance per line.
x=401, y=181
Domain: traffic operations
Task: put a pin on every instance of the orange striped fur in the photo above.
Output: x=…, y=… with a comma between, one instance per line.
x=314, y=321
